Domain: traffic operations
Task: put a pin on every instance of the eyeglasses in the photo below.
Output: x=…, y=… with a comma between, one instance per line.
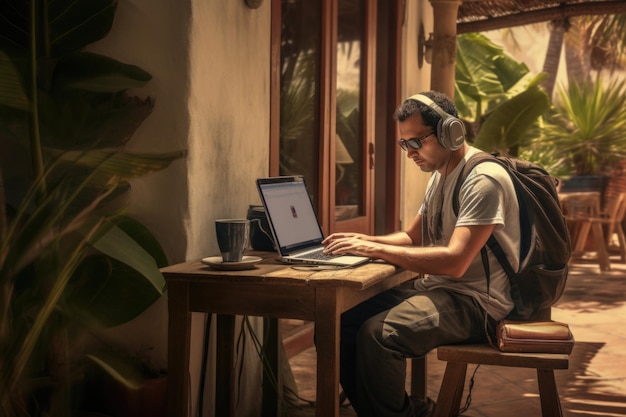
x=413, y=143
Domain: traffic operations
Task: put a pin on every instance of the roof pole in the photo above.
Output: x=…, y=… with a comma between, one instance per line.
x=444, y=45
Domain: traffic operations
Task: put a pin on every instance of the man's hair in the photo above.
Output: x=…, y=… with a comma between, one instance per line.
x=431, y=118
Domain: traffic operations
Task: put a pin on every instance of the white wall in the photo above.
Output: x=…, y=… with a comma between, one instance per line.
x=228, y=140
x=415, y=80
x=210, y=65
x=229, y=111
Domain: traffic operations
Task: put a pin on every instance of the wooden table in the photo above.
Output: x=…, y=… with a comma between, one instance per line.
x=269, y=290
x=583, y=203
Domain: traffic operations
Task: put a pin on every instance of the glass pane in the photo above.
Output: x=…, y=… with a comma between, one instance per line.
x=299, y=98
x=349, y=148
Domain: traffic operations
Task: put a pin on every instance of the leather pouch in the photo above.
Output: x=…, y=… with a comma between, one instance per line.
x=534, y=337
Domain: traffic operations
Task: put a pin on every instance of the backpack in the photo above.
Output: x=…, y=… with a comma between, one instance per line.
x=545, y=245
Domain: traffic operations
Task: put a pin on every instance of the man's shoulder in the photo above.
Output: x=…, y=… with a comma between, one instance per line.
x=490, y=167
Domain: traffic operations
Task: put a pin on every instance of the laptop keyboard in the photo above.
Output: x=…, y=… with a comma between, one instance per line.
x=319, y=255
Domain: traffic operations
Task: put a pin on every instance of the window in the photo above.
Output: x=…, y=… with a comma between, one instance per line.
x=322, y=106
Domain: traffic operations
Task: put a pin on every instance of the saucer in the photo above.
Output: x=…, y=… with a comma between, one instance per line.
x=247, y=262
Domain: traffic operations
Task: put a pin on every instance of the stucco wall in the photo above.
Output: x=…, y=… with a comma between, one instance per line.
x=228, y=142
x=415, y=80
x=210, y=66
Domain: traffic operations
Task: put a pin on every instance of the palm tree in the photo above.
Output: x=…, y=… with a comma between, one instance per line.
x=591, y=43
x=553, y=54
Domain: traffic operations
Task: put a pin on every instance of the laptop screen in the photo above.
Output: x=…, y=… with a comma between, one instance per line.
x=290, y=212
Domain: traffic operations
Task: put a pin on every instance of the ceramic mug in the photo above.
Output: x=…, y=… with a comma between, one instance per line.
x=232, y=238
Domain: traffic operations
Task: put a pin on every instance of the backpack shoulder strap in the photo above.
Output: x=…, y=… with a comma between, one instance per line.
x=470, y=164
x=492, y=242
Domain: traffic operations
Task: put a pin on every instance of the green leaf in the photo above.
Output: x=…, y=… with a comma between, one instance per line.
x=505, y=127
x=115, y=286
x=11, y=89
x=105, y=292
x=119, y=245
x=118, y=368
x=63, y=26
x=143, y=237
x=484, y=75
x=54, y=280
x=97, y=73
x=122, y=164
x=589, y=127
x=475, y=70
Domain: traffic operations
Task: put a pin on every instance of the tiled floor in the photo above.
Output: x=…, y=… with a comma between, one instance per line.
x=594, y=305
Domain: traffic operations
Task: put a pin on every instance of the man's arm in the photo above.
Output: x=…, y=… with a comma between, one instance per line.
x=452, y=260
x=411, y=236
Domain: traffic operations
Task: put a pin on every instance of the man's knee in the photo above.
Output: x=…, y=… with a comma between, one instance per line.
x=370, y=332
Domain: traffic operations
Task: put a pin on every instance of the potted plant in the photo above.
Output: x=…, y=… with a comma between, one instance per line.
x=586, y=132
x=71, y=262
x=132, y=386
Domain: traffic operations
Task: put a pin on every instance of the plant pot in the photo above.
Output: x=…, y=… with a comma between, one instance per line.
x=582, y=183
x=585, y=183
x=116, y=399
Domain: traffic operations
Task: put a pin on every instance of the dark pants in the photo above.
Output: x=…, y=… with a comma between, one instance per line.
x=378, y=335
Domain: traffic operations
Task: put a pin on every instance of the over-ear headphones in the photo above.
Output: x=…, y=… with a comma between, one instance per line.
x=450, y=130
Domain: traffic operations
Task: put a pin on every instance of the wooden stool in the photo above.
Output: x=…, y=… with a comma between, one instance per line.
x=458, y=356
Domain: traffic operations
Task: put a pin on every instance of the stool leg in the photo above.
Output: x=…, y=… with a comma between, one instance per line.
x=451, y=391
x=550, y=402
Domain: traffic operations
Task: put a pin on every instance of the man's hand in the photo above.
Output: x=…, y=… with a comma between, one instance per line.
x=352, y=243
x=343, y=235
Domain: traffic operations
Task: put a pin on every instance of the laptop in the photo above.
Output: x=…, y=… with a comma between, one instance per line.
x=294, y=224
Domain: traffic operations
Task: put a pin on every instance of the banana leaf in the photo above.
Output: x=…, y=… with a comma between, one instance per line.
x=61, y=26
x=484, y=75
x=496, y=96
x=116, y=285
x=506, y=126
x=11, y=91
x=71, y=262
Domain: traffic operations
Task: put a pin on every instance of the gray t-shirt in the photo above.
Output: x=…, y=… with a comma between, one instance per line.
x=486, y=197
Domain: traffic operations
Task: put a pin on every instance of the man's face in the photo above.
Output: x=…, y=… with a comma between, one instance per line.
x=421, y=144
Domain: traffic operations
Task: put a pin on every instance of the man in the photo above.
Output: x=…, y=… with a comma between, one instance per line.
x=450, y=303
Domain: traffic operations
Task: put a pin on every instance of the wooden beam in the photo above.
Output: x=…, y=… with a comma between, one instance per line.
x=563, y=12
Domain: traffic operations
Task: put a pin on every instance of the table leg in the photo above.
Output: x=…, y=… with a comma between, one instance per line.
x=179, y=336
x=272, y=383
x=600, y=242
x=581, y=236
x=225, y=364
x=327, y=326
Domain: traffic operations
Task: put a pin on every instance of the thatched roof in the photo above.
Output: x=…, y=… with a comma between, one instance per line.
x=484, y=15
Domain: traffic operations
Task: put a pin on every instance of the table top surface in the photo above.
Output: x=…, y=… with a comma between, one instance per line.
x=580, y=204
x=579, y=194
x=271, y=271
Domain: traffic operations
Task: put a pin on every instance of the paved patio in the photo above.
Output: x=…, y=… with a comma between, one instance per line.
x=594, y=305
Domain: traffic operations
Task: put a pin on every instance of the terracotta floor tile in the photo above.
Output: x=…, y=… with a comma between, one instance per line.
x=594, y=305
